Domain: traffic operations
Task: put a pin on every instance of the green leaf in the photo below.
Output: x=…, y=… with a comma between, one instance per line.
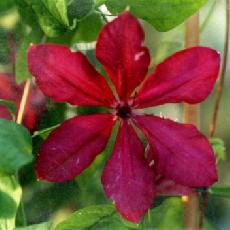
x=21, y=69
x=220, y=190
x=162, y=14
x=42, y=226
x=15, y=147
x=10, y=196
x=55, y=17
x=219, y=148
x=79, y=9
x=112, y=222
x=58, y=8
x=85, y=31
x=35, y=12
x=86, y=217
x=101, y=217
x=10, y=106
x=44, y=133
x=49, y=24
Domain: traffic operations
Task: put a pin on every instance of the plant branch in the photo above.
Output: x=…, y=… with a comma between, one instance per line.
x=222, y=74
x=204, y=197
x=19, y=120
x=191, y=115
x=23, y=102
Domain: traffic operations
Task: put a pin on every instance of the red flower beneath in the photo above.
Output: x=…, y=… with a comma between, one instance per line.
x=179, y=157
x=9, y=90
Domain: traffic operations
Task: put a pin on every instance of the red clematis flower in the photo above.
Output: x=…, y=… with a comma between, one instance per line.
x=181, y=154
x=9, y=90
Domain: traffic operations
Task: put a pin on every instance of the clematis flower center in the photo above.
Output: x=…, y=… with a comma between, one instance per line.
x=123, y=111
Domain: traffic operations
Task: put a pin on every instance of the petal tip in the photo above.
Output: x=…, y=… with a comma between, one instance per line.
x=214, y=178
x=32, y=47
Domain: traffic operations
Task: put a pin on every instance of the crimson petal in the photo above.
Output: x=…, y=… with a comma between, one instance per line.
x=169, y=187
x=7, y=92
x=8, y=88
x=181, y=152
x=120, y=50
x=126, y=178
x=35, y=105
x=188, y=76
x=68, y=76
x=165, y=186
x=73, y=146
x=4, y=113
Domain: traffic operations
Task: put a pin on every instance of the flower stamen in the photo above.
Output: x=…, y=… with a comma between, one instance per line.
x=123, y=111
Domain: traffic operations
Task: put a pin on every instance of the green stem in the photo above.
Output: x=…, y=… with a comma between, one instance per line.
x=191, y=115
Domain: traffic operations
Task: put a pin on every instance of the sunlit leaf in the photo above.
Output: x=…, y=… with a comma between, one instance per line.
x=163, y=15
x=49, y=24
x=10, y=195
x=15, y=146
x=33, y=12
x=58, y=8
